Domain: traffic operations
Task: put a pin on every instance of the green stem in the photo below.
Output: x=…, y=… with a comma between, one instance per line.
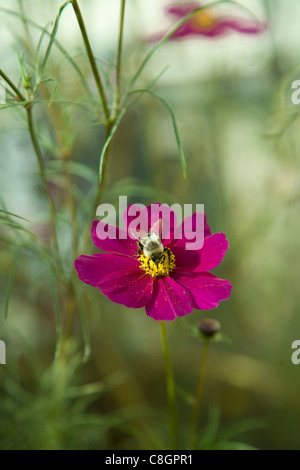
x=91, y=58
x=116, y=116
x=12, y=86
x=101, y=187
x=42, y=173
x=173, y=419
x=198, y=397
x=52, y=36
x=28, y=108
x=72, y=204
x=119, y=56
x=25, y=23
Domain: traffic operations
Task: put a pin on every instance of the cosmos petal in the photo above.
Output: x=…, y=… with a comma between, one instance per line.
x=133, y=290
x=118, y=277
x=206, y=259
x=193, y=230
x=179, y=9
x=205, y=289
x=220, y=28
x=213, y=252
x=186, y=259
x=244, y=26
x=207, y=23
x=117, y=240
x=169, y=300
x=92, y=269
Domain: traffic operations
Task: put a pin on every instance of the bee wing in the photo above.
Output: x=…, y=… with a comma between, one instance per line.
x=137, y=234
x=157, y=228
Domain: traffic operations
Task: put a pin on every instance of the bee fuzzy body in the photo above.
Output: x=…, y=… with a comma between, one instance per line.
x=150, y=244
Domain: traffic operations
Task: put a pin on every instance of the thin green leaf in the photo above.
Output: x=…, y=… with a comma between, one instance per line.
x=57, y=313
x=53, y=36
x=75, y=168
x=61, y=102
x=14, y=105
x=39, y=45
x=10, y=283
x=18, y=227
x=155, y=80
x=25, y=75
x=54, y=91
x=106, y=67
x=26, y=29
x=109, y=383
x=234, y=446
x=84, y=324
x=210, y=433
x=187, y=397
x=169, y=108
x=57, y=43
x=107, y=142
x=13, y=215
x=151, y=85
x=241, y=427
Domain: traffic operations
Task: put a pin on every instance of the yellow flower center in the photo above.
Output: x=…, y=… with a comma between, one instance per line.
x=162, y=265
x=203, y=20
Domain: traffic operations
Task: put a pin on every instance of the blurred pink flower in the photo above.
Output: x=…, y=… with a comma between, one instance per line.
x=173, y=286
x=207, y=23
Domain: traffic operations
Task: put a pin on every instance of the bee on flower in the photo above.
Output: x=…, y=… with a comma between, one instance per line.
x=154, y=270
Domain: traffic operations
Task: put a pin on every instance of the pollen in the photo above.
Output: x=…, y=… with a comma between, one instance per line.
x=203, y=20
x=163, y=265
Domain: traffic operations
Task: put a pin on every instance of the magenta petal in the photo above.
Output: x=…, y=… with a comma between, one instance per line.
x=179, y=9
x=118, y=277
x=220, y=28
x=191, y=29
x=186, y=259
x=220, y=25
x=196, y=224
x=206, y=290
x=92, y=269
x=213, y=252
x=244, y=26
x=133, y=290
x=169, y=300
x=206, y=259
x=119, y=243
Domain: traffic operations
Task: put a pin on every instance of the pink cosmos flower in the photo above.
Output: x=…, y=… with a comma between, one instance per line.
x=207, y=23
x=172, y=286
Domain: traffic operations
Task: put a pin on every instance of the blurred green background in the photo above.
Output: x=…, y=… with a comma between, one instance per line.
x=240, y=134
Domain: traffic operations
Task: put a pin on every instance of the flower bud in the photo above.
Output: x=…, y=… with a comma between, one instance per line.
x=209, y=327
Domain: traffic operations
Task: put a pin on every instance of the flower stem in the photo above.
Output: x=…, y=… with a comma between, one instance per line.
x=34, y=140
x=119, y=56
x=91, y=58
x=25, y=23
x=173, y=419
x=198, y=397
x=12, y=86
x=43, y=174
